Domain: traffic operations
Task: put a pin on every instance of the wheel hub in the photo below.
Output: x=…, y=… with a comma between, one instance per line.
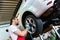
x=31, y=23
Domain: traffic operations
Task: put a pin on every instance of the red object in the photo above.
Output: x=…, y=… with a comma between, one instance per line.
x=49, y=2
x=21, y=38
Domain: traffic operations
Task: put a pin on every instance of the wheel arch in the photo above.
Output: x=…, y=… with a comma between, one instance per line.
x=25, y=14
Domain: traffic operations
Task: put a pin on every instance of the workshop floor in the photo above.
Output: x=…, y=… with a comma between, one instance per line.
x=3, y=34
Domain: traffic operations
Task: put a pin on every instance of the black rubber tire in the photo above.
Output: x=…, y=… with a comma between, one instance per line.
x=39, y=28
x=39, y=25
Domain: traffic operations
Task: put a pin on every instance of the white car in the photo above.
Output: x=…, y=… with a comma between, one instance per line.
x=35, y=13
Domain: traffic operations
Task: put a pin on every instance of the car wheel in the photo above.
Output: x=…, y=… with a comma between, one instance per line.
x=35, y=24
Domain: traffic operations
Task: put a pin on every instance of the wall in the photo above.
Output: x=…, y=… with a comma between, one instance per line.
x=7, y=8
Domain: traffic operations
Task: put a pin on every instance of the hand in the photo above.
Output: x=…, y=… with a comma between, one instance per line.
x=28, y=27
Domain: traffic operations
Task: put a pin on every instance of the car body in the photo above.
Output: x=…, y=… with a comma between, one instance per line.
x=36, y=7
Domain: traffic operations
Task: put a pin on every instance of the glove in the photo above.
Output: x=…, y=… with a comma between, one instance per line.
x=28, y=27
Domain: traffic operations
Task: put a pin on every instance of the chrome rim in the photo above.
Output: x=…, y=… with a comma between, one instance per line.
x=30, y=21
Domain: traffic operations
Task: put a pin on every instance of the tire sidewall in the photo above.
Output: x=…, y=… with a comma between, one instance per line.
x=38, y=22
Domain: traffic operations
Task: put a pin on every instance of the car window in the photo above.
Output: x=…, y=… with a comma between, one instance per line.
x=7, y=8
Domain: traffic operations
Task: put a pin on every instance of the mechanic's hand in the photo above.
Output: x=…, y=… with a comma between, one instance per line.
x=28, y=27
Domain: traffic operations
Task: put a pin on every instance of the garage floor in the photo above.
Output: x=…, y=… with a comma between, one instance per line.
x=3, y=34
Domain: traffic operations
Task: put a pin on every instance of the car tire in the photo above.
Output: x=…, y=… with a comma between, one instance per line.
x=38, y=23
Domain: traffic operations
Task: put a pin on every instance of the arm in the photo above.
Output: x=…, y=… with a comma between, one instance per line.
x=21, y=33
